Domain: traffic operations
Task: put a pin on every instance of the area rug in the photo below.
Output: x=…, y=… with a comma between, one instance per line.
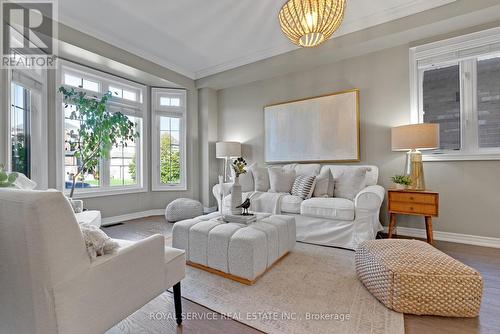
x=312, y=290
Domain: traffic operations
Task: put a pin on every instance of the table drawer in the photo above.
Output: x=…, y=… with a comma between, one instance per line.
x=413, y=208
x=413, y=198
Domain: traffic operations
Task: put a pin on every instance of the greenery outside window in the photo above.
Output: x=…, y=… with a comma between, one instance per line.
x=169, y=139
x=122, y=172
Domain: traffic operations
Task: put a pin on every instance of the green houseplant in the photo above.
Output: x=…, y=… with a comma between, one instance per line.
x=99, y=130
x=401, y=181
x=7, y=180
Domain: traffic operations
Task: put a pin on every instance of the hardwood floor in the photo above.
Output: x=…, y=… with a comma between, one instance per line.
x=485, y=260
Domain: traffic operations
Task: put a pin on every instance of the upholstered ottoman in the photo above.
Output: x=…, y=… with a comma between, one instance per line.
x=236, y=251
x=183, y=208
x=411, y=276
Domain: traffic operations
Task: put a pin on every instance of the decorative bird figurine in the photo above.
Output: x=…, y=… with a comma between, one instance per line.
x=245, y=205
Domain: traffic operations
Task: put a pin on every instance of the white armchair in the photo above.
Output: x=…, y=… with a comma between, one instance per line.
x=48, y=283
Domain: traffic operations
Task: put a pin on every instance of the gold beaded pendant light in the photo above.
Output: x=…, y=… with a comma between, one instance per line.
x=308, y=23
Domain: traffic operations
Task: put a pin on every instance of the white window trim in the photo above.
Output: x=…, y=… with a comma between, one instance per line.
x=142, y=147
x=459, y=49
x=38, y=131
x=158, y=111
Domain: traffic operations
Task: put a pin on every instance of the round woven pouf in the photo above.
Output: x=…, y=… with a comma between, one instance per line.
x=183, y=208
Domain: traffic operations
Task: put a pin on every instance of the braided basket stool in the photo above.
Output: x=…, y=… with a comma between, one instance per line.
x=411, y=276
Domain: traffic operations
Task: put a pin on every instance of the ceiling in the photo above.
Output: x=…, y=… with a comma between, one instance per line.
x=198, y=38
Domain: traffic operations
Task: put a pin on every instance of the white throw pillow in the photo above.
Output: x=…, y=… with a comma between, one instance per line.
x=246, y=179
x=350, y=182
x=97, y=242
x=325, y=184
x=260, y=178
x=281, y=180
x=303, y=186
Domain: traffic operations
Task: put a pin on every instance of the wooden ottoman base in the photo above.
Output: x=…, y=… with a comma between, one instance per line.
x=411, y=276
x=233, y=277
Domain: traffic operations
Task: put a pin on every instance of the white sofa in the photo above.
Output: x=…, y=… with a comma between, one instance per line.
x=327, y=221
x=49, y=285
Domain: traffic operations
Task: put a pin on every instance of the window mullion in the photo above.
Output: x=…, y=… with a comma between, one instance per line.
x=469, y=113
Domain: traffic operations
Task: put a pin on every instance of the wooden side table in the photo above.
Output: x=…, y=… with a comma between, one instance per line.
x=410, y=202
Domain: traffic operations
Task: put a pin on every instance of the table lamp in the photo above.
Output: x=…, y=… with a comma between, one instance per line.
x=415, y=138
x=227, y=150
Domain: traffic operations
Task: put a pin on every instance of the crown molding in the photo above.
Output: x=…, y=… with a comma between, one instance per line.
x=349, y=26
x=105, y=37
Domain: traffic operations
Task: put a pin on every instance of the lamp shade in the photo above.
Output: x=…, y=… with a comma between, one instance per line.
x=227, y=149
x=423, y=136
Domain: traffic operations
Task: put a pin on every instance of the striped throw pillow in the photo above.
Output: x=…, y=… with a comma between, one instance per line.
x=303, y=186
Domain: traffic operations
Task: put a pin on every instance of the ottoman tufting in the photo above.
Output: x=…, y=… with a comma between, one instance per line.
x=236, y=251
x=183, y=208
x=411, y=276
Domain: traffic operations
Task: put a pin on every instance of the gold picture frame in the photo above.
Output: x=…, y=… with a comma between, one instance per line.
x=324, y=128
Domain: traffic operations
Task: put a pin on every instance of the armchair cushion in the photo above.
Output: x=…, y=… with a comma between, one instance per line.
x=331, y=208
x=97, y=242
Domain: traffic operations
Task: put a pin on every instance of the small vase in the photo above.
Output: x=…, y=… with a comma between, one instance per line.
x=236, y=197
x=401, y=186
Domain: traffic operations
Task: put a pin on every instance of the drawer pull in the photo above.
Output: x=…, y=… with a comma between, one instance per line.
x=412, y=198
x=411, y=208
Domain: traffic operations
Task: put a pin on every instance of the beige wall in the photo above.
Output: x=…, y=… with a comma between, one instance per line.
x=470, y=191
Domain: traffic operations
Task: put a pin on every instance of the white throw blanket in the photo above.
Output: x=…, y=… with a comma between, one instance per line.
x=266, y=202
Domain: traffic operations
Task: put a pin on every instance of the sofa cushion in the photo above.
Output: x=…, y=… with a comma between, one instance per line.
x=291, y=204
x=304, y=169
x=303, y=186
x=324, y=184
x=281, y=180
x=331, y=208
x=350, y=182
x=371, y=175
x=261, y=178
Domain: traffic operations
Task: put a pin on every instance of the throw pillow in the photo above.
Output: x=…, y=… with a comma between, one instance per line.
x=303, y=186
x=246, y=179
x=281, y=180
x=324, y=184
x=96, y=241
x=350, y=182
x=260, y=178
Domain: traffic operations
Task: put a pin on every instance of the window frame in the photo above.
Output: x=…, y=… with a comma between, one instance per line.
x=464, y=51
x=129, y=108
x=168, y=111
x=36, y=82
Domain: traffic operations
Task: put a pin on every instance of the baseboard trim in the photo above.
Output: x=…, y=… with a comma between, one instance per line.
x=449, y=236
x=129, y=216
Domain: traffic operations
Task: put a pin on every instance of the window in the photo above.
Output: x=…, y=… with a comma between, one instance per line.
x=169, y=139
x=26, y=125
x=20, y=129
x=123, y=170
x=456, y=83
